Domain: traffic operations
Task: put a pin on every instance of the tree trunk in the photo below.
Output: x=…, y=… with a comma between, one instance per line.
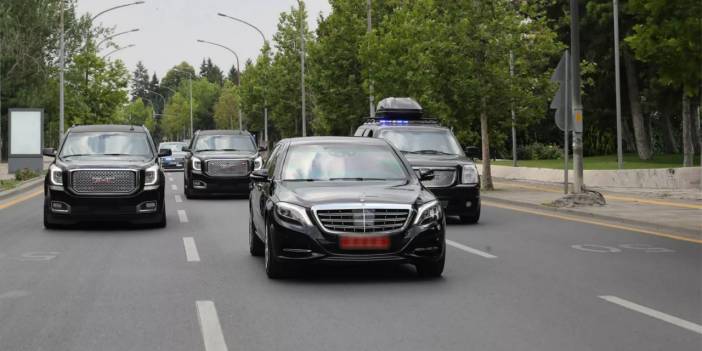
x=643, y=145
x=629, y=145
x=687, y=126
x=485, y=137
x=671, y=144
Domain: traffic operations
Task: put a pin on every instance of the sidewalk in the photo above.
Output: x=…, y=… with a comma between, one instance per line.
x=679, y=212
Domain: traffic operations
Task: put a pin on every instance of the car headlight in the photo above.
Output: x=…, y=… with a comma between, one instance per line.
x=197, y=164
x=151, y=175
x=428, y=213
x=292, y=213
x=258, y=163
x=56, y=175
x=469, y=174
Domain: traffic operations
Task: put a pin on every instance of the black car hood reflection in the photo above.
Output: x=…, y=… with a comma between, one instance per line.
x=437, y=160
x=320, y=192
x=117, y=162
x=211, y=155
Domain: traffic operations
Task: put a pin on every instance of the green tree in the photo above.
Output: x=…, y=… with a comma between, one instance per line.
x=211, y=72
x=225, y=110
x=254, y=92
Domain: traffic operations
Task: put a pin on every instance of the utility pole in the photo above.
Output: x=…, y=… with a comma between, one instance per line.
x=0, y=99
x=370, y=79
x=577, y=107
x=302, y=69
x=514, y=118
x=617, y=84
x=62, y=64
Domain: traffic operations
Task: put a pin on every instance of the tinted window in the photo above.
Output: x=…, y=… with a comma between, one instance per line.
x=342, y=162
x=272, y=159
x=439, y=141
x=106, y=143
x=224, y=143
x=174, y=147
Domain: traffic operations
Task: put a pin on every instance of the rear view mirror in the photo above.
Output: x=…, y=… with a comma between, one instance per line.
x=426, y=174
x=48, y=151
x=473, y=152
x=186, y=149
x=262, y=148
x=164, y=152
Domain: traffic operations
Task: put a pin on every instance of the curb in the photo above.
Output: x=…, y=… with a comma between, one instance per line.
x=643, y=225
x=23, y=187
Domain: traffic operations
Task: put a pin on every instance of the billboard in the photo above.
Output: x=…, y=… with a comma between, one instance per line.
x=25, y=139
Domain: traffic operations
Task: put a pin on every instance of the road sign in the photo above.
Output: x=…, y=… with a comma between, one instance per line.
x=561, y=102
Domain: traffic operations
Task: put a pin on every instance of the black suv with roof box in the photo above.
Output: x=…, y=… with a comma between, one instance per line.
x=105, y=173
x=219, y=162
x=428, y=146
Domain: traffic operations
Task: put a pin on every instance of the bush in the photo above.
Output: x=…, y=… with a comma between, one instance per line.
x=25, y=174
x=539, y=151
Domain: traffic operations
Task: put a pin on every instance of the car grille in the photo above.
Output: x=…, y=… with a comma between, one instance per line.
x=442, y=178
x=362, y=219
x=107, y=181
x=228, y=168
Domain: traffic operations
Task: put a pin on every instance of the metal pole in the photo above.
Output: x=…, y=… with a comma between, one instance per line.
x=566, y=119
x=265, y=125
x=577, y=106
x=190, y=78
x=302, y=70
x=238, y=86
x=0, y=98
x=370, y=79
x=120, y=49
x=238, y=82
x=514, y=118
x=62, y=64
x=617, y=84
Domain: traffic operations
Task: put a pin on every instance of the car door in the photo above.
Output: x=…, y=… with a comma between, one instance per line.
x=259, y=193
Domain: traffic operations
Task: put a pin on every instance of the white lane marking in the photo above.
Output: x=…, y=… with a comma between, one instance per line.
x=210, y=327
x=470, y=249
x=182, y=216
x=178, y=198
x=170, y=179
x=653, y=313
x=191, y=254
x=174, y=187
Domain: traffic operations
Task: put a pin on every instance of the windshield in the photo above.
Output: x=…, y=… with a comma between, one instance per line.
x=439, y=141
x=224, y=143
x=174, y=147
x=106, y=143
x=342, y=162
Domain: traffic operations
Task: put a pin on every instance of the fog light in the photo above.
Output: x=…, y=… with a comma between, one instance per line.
x=146, y=207
x=60, y=207
x=198, y=184
x=469, y=204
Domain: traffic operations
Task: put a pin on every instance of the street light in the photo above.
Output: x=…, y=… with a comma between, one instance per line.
x=97, y=46
x=238, y=72
x=118, y=49
x=265, y=100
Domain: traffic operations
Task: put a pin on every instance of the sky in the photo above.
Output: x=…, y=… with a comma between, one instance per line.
x=169, y=29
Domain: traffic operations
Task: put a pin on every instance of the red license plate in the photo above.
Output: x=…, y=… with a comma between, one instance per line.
x=364, y=243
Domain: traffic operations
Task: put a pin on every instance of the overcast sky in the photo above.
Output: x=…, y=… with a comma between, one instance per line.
x=169, y=29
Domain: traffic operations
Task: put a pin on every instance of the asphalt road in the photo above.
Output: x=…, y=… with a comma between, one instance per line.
x=515, y=281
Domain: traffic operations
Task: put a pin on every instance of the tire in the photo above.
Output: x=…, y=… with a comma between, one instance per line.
x=431, y=269
x=162, y=221
x=187, y=191
x=471, y=219
x=274, y=269
x=256, y=245
x=48, y=223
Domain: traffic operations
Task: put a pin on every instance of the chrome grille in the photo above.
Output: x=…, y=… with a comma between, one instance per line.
x=228, y=168
x=104, y=181
x=362, y=218
x=442, y=178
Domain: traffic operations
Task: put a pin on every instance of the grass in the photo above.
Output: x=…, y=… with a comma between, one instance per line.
x=631, y=161
x=8, y=184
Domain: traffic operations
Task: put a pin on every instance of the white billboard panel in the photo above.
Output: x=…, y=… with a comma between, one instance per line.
x=25, y=132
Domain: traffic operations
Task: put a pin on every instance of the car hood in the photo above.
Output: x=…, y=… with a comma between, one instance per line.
x=315, y=193
x=104, y=162
x=178, y=154
x=433, y=160
x=210, y=155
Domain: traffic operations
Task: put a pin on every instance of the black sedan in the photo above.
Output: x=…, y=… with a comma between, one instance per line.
x=343, y=200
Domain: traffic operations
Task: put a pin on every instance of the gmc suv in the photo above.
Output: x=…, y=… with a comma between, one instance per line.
x=105, y=173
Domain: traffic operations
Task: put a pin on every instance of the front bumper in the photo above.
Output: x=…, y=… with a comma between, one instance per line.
x=203, y=184
x=145, y=206
x=459, y=200
x=416, y=244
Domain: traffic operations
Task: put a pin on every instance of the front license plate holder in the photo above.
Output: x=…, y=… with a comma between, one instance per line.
x=364, y=242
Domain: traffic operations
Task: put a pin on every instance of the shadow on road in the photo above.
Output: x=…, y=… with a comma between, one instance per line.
x=360, y=273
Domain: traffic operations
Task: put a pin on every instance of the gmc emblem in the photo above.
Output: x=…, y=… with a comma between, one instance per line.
x=103, y=180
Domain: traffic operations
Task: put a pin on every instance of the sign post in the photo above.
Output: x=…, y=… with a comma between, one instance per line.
x=25, y=139
x=562, y=104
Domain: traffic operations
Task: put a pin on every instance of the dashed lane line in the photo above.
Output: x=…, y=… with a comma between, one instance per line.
x=470, y=249
x=212, y=334
x=178, y=198
x=191, y=254
x=174, y=187
x=182, y=216
x=653, y=313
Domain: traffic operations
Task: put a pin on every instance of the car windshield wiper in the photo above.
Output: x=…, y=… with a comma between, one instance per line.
x=74, y=155
x=360, y=179
x=302, y=180
x=434, y=152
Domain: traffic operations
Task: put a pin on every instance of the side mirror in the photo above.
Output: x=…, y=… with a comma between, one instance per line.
x=426, y=174
x=263, y=148
x=48, y=151
x=473, y=152
x=186, y=149
x=259, y=176
x=164, y=152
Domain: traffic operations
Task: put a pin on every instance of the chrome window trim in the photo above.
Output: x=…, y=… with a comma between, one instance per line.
x=363, y=205
x=137, y=181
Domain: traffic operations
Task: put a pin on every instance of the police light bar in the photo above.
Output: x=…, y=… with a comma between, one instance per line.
x=399, y=109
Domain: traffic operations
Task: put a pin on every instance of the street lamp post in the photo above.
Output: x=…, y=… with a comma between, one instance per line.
x=115, y=35
x=302, y=69
x=238, y=73
x=190, y=79
x=265, y=102
x=118, y=49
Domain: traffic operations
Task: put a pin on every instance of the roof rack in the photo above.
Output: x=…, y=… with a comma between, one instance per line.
x=400, y=122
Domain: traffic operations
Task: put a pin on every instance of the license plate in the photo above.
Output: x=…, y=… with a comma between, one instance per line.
x=364, y=243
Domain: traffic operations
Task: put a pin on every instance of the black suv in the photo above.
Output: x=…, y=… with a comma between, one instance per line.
x=429, y=146
x=105, y=173
x=219, y=162
x=343, y=199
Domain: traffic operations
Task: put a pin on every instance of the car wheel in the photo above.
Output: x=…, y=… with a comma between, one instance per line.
x=471, y=219
x=274, y=269
x=187, y=191
x=162, y=221
x=48, y=224
x=431, y=269
x=256, y=246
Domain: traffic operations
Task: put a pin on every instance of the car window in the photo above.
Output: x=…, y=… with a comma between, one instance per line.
x=272, y=159
x=360, y=132
x=224, y=143
x=436, y=141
